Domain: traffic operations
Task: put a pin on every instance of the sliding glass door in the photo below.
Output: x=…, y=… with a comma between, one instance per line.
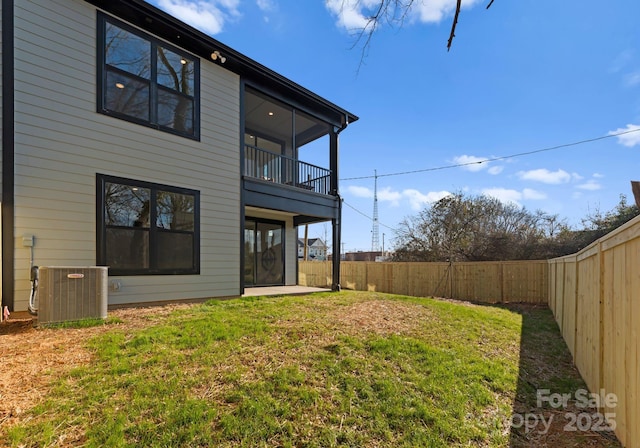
x=263, y=253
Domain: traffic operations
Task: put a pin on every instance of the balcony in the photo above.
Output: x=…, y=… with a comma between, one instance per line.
x=283, y=170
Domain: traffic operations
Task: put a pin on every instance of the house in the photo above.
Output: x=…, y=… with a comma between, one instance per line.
x=134, y=141
x=316, y=249
x=363, y=256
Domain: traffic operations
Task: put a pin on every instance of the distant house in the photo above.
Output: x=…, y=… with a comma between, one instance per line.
x=316, y=249
x=363, y=256
x=134, y=141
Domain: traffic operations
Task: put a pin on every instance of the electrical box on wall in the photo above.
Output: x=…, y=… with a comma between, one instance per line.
x=27, y=240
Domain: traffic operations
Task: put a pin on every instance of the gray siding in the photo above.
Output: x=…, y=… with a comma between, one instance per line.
x=61, y=143
x=1, y=71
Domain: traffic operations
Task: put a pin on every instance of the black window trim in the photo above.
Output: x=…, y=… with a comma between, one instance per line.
x=153, y=84
x=101, y=228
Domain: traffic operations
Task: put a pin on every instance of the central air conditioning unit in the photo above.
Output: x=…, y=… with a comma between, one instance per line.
x=72, y=293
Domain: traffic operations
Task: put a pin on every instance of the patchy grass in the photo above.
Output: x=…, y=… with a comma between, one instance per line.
x=334, y=369
x=82, y=323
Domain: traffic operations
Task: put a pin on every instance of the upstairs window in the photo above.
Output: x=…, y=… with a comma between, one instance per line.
x=146, y=81
x=147, y=228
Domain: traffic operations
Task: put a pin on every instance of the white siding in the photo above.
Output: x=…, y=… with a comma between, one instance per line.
x=61, y=143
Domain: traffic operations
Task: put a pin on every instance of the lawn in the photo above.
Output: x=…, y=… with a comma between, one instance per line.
x=333, y=369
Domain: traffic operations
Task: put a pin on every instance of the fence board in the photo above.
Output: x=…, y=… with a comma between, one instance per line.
x=428, y=279
x=632, y=356
x=587, y=355
x=604, y=320
x=525, y=282
x=489, y=282
x=569, y=305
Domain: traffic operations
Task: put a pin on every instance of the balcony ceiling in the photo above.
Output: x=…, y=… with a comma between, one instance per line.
x=274, y=119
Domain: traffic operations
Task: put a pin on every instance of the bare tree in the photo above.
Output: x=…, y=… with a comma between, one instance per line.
x=473, y=228
x=395, y=12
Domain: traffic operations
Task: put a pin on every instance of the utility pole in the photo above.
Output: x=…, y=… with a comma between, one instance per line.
x=383, y=244
x=305, y=251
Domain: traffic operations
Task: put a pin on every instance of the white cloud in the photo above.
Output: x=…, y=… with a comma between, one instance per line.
x=433, y=11
x=360, y=192
x=265, y=5
x=632, y=79
x=475, y=164
x=590, y=185
x=349, y=12
x=388, y=195
x=514, y=196
x=598, y=175
x=208, y=16
x=415, y=198
x=576, y=176
x=630, y=139
x=545, y=176
x=471, y=163
x=353, y=14
x=418, y=200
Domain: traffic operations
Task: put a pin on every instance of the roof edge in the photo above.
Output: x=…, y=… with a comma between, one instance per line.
x=153, y=19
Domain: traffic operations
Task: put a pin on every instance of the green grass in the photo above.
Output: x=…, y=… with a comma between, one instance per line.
x=82, y=323
x=295, y=371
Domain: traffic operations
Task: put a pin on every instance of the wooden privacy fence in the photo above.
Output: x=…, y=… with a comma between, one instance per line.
x=488, y=281
x=595, y=297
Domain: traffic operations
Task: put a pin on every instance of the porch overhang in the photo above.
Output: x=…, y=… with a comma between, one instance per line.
x=307, y=206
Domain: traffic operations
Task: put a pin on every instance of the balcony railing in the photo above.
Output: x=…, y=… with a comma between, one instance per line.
x=268, y=166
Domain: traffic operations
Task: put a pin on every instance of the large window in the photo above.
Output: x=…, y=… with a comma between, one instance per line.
x=144, y=80
x=146, y=228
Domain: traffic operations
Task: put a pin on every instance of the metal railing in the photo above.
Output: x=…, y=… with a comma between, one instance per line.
x=272, y=167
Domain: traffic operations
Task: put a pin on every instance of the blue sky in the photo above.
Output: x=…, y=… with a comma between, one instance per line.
x=522, y=76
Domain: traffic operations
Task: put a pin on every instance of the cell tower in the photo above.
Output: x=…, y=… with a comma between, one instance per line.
x=375, y=231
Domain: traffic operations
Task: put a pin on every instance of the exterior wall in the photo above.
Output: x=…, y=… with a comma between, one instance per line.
x=1, y=71
x=1, y=142
x=290, y=241
x=62, y=142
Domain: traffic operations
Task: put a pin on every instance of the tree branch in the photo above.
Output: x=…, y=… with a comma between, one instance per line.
x=455, y=23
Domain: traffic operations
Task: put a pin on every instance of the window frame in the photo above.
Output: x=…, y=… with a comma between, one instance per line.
x=154, y=230
x=155, y=87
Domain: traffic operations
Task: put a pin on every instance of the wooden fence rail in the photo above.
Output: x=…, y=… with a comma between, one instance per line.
x=489, y=282
x=595, y=297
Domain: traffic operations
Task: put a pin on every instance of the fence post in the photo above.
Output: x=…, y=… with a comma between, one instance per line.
x=501, y=278
x=575, y=310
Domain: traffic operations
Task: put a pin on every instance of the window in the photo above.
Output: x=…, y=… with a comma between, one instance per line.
x=146, y=81
x=146, y=228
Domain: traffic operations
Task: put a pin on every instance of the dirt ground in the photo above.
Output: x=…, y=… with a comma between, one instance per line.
x=31, y=358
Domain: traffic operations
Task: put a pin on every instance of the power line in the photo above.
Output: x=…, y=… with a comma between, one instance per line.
x=458, y=165
x=365, y=215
